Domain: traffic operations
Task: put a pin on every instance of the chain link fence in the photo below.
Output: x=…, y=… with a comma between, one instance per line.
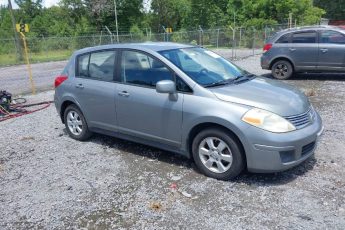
x=239, y=42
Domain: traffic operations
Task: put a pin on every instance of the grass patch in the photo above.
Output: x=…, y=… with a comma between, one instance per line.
x=55, y=55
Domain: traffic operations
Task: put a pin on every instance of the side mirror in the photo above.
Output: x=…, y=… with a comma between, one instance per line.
x=166, y=86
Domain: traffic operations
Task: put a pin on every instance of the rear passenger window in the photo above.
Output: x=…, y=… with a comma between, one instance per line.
x=140, y=69
x=284, y=39
x=101, y=65
x=304, y=37
x=97, y=65
x=332, y=37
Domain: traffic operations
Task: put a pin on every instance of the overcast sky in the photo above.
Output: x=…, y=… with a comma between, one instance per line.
x=49, y=3
x=46, y=3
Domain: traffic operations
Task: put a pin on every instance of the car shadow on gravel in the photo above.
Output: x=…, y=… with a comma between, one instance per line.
x=142, y=150
x=313, y=76
x=252, y=179
x=279, y=178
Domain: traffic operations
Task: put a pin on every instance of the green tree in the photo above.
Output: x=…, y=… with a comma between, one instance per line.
x=28, y=10
x=208, y=14
x=170, y=13
x=335, y=9
x=261, y=12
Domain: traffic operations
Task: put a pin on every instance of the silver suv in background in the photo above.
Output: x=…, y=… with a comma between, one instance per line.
x=187, y=100
x=306, y=49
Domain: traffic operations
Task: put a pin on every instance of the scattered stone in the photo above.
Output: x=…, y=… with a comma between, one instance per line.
x=176, y=178
x=305, y=217
x=186, y=194
x=27, y=138
x=156, y=206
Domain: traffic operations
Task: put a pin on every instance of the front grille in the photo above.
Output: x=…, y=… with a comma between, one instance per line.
x=308, y=148
x=301, y=120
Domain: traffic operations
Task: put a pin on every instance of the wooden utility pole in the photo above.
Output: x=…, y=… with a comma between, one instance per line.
x=16, y=38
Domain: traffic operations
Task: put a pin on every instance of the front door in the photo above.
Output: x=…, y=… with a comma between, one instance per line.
x=95, y=88
x=141, y=111
x=331, y=51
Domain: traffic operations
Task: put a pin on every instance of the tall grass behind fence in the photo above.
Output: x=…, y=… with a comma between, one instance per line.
x=241, y=41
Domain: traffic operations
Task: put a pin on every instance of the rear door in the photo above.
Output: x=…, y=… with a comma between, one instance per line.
x=141, y=111
x=303, y=50
x=95, y=88
x=331, y=51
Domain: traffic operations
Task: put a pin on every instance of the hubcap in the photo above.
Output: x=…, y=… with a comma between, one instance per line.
x=74, y=123
x=281, y=70
x=215, y=154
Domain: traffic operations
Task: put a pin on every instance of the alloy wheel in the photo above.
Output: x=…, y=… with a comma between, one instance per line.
x=74, y=123
x=215, y=154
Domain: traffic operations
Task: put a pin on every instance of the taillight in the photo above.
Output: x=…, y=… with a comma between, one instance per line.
x=59, y=80
x=267, y=47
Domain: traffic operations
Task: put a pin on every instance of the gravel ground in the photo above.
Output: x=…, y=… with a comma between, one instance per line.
x=48, y=180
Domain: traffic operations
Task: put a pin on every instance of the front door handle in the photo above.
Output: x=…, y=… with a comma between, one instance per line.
x=123, y=94
x=324, y=50
x=292, y=49
x=79, y=86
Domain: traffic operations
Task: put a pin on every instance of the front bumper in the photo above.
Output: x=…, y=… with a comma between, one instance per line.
x=272, y=152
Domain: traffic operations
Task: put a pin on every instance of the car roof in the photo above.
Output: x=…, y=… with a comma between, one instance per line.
x=321, y=27
x=276, y=36
x=154, y=46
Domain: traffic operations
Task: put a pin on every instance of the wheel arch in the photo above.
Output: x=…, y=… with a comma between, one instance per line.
x=207, y=125
x=67, y=102
x=282, y=59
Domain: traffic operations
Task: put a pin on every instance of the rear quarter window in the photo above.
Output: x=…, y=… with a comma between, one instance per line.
x=285, y=38
x=82, y=65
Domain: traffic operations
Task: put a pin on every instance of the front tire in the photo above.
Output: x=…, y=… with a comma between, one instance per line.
x=282, y=70
x=218, y=154
x=75, y=123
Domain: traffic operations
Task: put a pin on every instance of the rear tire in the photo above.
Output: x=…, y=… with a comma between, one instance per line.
x=218, y=154
x=75, y=123
x=282, y=70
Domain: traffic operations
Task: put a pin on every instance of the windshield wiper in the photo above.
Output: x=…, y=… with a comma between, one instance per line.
x=242, y=78
x=218, y=83
x=237, y=79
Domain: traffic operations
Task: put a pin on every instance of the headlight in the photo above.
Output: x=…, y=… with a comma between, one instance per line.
x=268, y=121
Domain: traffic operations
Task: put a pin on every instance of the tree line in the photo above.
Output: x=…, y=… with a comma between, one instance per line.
x=83, y=17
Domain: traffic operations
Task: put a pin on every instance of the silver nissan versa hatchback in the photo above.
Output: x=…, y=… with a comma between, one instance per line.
x=188, y=100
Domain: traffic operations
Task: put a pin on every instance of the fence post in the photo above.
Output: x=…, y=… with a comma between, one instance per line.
x=232, y=43
x=217, y=37
x=240, y=36
x=201, y=37
x=111, y=35
x=254, y=38
x=147, y=35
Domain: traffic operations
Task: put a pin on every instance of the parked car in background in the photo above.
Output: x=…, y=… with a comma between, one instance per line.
x=187, y=100
x=306, y=49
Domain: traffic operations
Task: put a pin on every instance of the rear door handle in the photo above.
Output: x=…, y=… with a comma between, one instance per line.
x=324, y=50
x=292, y=49
x=123, y=94
x=79, y=86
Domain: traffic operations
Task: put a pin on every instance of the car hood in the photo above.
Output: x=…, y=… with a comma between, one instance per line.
x=267, y=94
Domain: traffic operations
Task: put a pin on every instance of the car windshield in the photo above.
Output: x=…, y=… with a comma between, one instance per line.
x=205, y=67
